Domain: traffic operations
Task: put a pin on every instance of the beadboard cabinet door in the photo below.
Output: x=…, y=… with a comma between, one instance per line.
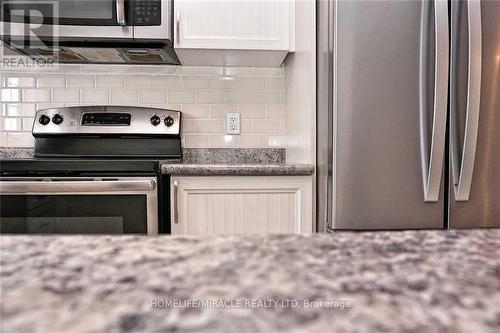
x=241, y=205
x=221, y=32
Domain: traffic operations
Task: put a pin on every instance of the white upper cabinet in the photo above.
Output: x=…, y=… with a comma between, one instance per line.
x=263, y=27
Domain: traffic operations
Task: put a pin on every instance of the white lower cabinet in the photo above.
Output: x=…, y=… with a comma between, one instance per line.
x=241, y=205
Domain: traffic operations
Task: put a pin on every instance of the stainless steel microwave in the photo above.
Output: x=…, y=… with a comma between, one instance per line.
x=95, y=31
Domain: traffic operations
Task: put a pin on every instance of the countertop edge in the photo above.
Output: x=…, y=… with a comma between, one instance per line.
x=236, y=169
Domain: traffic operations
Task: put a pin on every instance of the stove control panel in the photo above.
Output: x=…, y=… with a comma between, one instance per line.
x=106, y=120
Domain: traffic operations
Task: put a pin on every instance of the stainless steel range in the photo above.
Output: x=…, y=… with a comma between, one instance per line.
x=95, y=171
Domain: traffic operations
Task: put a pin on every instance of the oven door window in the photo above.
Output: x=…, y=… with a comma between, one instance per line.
x=64, y=12
x=73, y=214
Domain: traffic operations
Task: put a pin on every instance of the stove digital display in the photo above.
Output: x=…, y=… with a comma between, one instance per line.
x=106, y=119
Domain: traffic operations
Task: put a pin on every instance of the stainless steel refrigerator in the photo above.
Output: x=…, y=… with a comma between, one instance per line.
x=408, y=114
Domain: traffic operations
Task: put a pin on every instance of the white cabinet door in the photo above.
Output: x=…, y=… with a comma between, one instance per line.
x=237, y=25
x=241, y=205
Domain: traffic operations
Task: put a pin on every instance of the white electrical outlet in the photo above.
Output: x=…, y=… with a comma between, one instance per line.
x=232, y=123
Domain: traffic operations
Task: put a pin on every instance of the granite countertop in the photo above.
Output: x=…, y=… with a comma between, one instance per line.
x=237, y=162
x=239, y=169
x=215, y=161
x=409, y=281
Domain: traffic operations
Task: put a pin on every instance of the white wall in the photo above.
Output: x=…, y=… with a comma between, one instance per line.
x=203, y=94
x=300, y=94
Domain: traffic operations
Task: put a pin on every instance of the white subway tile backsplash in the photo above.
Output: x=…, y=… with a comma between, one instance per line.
x=197, y=140
x=27, y=124
x=181, y=96
x=71, y=95
x=194, y=82
x=11, y=95
x=109, y=81
x=19, y=81
x=249, y=111
x=152, y=97
x=245, y=126
x=18, y=110
x=20, y=139
x=266, y=97
x=97, y=68
x=80, y=81
x=237, y=97
x=275, y=141
x=275, y=83
x=252, y=141
x=67, y=68
x=12, y=124
x=188, y=125
x=36, y=95
x=152, y=69
x=177, y=107
x=41, y=106
x=223, y=140
x=223, y=82
x=195, y=111
x=266, y=126
x=264, y=71
x=50, y=81
x=220, y=110
x=124, y=69
x=3, y=139
x=123, y=97
x=275, y=111
x=137, y=82
x=209, y=70
x=238, y=71
x=204, y=95
x=165, y=82
x=252, y=83
x=95, y=96
x=210, y=126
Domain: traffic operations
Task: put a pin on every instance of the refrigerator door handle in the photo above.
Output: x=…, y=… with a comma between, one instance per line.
x=432, y=161
x=462, y=174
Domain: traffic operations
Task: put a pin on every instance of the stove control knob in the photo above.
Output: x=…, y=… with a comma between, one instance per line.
x=169, y=121
x=57, y=119
x=155, y=120
x=44, y=120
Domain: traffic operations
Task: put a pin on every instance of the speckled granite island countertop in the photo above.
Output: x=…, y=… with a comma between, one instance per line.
x=411, y=281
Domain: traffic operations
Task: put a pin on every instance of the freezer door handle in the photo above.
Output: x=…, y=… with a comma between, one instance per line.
x=462, y=171
x=432, y=156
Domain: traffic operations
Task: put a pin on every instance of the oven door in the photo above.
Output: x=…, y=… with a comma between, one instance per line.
x=125, y=205
x=95, y=19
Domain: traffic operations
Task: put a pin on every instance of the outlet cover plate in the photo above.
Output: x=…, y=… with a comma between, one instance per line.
x=232, y=123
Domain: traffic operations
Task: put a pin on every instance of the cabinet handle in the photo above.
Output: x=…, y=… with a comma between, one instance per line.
x=178, y=24
x=176, y=214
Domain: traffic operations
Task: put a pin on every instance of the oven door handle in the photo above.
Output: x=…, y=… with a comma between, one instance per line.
x=61, y=187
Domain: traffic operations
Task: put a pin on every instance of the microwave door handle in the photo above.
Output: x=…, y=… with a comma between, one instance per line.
x=62, y=187
x=432, y=157
x=120, y=13
x=463, y=171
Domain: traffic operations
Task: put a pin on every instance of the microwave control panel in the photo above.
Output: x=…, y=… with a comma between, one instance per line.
x=147, y=12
